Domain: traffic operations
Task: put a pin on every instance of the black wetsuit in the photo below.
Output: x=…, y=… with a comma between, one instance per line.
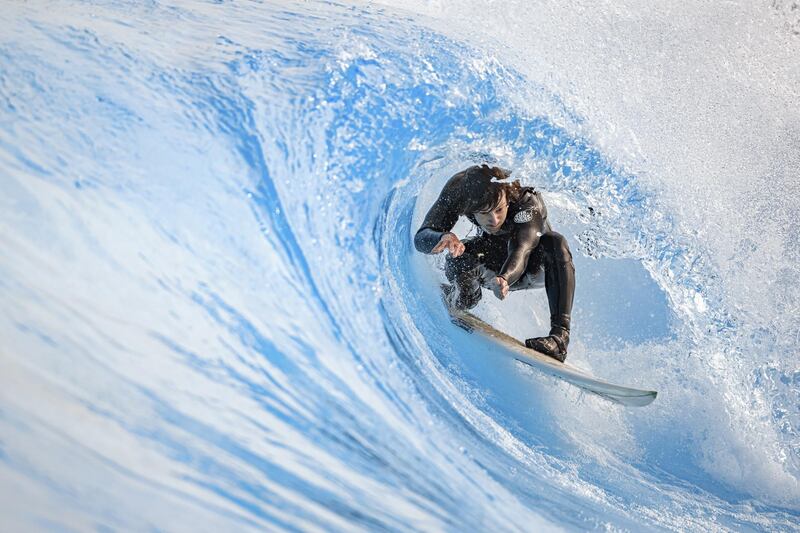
x=523, y=246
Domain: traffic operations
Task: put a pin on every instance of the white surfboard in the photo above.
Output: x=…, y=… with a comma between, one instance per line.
x=570, y=374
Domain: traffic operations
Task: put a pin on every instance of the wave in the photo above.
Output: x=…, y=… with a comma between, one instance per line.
x=214, y=317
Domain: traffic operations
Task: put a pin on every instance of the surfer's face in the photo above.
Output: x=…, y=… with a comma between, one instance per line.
x=492, y=220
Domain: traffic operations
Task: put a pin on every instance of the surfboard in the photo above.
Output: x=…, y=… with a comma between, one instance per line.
x=616, y=393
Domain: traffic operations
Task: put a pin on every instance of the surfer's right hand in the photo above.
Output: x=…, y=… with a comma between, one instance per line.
x=450, y=242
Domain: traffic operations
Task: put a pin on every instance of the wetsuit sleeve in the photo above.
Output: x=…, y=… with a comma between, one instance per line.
x=441, y=218
x=523, y=241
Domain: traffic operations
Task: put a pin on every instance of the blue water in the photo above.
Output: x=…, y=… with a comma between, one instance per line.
x=213, y=317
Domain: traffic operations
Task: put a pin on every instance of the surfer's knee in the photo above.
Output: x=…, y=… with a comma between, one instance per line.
x=457, y=267
x=556, y=247
x=464, y=273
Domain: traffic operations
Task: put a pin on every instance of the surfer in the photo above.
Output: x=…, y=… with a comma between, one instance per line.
x=514, y=248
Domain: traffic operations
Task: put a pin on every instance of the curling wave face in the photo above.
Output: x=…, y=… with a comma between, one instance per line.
x=213, y=316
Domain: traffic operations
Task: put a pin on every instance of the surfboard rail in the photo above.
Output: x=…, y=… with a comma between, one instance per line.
x=616, y=393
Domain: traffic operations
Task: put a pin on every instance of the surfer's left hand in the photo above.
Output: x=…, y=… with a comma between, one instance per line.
x=500, y=287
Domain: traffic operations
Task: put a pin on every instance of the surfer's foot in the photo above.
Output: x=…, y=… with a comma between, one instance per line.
x=554, y=345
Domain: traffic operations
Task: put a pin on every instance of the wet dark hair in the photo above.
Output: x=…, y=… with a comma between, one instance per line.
x=483, y=193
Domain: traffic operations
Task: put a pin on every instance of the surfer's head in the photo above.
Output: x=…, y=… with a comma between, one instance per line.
x=487, y=199
x=493, y=219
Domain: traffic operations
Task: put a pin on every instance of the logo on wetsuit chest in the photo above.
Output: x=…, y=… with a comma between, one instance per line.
x=524, y=216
